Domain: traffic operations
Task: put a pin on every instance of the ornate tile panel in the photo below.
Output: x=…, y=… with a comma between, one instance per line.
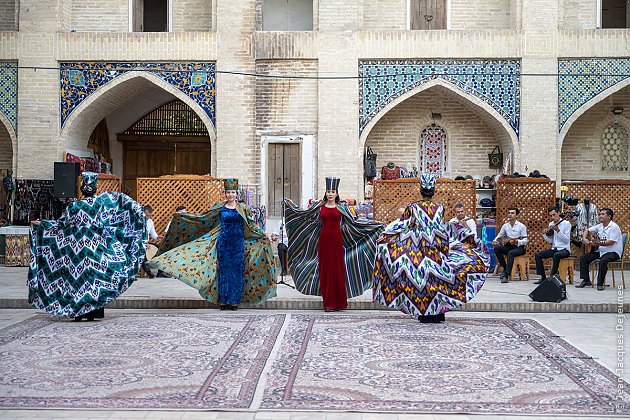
x=580, y=80
x=79, y=80
x=495, y=82
x=8, y=91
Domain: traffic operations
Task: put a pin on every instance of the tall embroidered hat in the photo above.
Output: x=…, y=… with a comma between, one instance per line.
x=427, y=184
x=332, y=183
x=88, y=183
x=230, y=184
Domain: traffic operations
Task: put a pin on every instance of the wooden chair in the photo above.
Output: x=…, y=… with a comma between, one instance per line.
x=522, y=264
x=566, y=268
x=612, y=266
x=620, y=264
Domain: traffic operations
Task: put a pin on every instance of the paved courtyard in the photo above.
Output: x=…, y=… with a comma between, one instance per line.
x=282, y=363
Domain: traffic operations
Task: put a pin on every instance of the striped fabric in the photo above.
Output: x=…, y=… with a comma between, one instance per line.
x=359, y=243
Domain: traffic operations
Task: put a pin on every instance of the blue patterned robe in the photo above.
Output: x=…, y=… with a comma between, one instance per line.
x=189, y=253
x=88, y=257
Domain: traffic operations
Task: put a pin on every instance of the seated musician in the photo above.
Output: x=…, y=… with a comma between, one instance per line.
x=510, y=241
x=607, y=237
x=559, y=235
x=460, y=217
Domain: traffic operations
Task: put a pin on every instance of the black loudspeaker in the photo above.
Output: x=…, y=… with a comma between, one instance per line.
x=551, y=290
x=66, y=176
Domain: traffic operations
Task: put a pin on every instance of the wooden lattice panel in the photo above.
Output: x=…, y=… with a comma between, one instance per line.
x=532, y=196
x=196, y=192
x=389, y=196
x=104, y=183
x=613, y=194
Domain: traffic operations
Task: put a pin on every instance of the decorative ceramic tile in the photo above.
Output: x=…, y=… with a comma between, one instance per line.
x=580, y=80
x=8, y=91
x=79, y=80
x=495, y=82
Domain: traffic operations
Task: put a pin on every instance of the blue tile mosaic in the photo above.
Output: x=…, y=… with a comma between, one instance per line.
x=495, y=82
x=580, y=80
x=8, y=91
x=79, y=80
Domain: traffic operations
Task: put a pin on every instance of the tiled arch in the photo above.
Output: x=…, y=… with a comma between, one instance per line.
x=581, y=80
x=8, y=92
x=79, y=80
x=495, y=82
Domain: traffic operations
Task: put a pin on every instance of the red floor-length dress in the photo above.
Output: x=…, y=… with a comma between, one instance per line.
x=332, y=269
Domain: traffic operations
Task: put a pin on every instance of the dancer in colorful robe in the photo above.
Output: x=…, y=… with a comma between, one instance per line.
x=330, y=253
x=222, y=253
x=427, y=267
x=88, y=257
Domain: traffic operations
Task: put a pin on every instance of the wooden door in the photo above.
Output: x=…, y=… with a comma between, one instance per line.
x=192, y=158
x=142, y=160
x=427, y=14
x=283, y=176
x=137, y=15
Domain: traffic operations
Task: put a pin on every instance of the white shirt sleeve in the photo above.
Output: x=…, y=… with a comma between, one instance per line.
x=523, y=242
x=151, y=229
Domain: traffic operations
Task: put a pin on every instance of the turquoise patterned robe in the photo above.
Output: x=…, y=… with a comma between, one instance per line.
x=88, y=257
x=189, y=253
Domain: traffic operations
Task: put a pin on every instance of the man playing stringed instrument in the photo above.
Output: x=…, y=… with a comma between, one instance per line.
x=607, y=236
x=510, y=241
x=559, y=235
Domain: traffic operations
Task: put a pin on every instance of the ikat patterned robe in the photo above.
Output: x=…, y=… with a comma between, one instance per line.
x=189, y=253
x=425, y=266
x=88, y=257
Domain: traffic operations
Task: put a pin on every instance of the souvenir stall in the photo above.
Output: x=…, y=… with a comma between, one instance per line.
x=33, y=199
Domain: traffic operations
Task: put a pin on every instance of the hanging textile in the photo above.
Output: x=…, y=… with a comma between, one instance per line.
x=433, y=150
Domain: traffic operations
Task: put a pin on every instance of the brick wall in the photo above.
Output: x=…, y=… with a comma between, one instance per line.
x=192, y=15
x=577, y=14
x=395, y=138
x=339, y=15
x=581, y=149
x=384, y=15
x=480, y=14
x=100, y=16
x=7, y=15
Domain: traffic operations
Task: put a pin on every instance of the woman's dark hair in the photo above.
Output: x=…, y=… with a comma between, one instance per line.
x=337, y=200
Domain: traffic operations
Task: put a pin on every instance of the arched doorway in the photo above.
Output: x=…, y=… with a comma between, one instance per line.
x=462, y=132
x=6, y=166
x=595, y=144
x=169, y=140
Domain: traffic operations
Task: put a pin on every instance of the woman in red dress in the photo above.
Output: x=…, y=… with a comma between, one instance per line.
x=332, y=268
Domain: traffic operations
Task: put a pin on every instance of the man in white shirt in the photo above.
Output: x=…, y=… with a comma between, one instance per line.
x=148, y=212
x=280, y=234
x=513, y=234
x=461, y=218
x=558, y=234
x=607, y=236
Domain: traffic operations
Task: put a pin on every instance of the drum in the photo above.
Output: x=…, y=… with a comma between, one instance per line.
x=151, y=251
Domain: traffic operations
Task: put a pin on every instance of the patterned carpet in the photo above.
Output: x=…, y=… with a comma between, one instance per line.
x=191, y=361
x=385, y=363
x=363, y=362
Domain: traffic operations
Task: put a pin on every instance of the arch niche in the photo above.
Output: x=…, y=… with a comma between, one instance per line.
x=121, y=103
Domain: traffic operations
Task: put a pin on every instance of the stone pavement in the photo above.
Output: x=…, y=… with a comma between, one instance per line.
x=170, y=293
x=596, y=335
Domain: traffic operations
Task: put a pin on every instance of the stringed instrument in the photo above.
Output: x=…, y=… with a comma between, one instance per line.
x=504, y=241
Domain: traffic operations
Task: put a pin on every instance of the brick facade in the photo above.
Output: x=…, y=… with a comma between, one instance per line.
x=536, y=32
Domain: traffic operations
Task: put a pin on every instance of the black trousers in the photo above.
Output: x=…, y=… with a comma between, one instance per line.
x=511, y=251
x=282, y=255
x=587, y=259
x=556, y=254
